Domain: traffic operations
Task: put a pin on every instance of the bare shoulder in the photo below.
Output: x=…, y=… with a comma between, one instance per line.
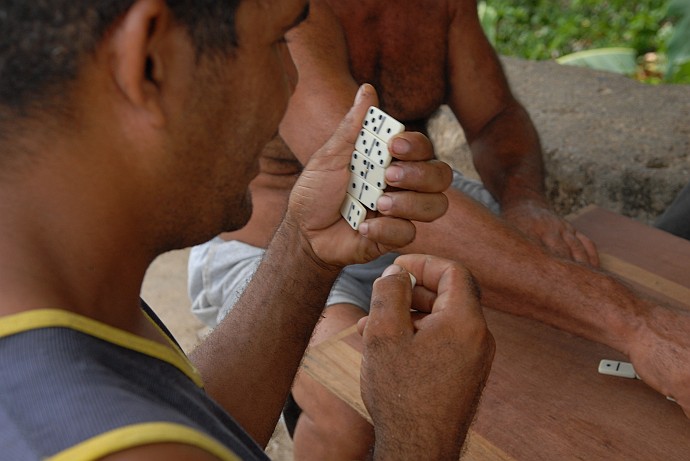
x=461, y=7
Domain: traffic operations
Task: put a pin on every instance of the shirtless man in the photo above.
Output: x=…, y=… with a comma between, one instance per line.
x=421, y=54
x=130, y=128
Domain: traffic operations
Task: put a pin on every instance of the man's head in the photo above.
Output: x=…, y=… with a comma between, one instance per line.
x=168, y=103
x=43, y=42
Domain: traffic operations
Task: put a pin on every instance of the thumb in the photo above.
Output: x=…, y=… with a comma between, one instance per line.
x=391, y=298
x=350, y=126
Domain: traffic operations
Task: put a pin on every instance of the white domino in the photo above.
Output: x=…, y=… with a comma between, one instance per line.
x=374, y=148
x=622, y=370
x=364, y=192
x=381, y=124
x=617, y=368
x=353, y=211
x=368, y=165
x=362, y=166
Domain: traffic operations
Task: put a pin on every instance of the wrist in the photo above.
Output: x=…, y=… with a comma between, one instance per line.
x=413, y=445
x=616, y=317
x=290, y=237
x=525, y=197
x=413, y=433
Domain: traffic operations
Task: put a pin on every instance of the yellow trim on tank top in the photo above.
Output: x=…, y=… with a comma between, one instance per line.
x=143, y=434
x=48, y=318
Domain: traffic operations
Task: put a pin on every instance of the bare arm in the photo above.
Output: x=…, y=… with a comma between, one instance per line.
x=520, y=277
x=401, y=352
x=504, y=142
x=325, y=88
x=322, y=97
x=249, y=361
x=517, y=275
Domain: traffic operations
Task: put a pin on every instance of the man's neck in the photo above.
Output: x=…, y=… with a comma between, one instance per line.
x=98, y=274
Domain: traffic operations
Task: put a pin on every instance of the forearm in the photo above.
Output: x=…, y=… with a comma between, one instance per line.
x=503, y=140
x=393, y=443
x=507, y=155
x=249, y=361
x=520, y=277
x=400, y=354
x=326, y=87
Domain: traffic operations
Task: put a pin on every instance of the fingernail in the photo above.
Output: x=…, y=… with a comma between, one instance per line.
x=360, y=93
x=384, y=203
x=392, y=269
x=394, y=173
x=363, y=228
x=401, y=146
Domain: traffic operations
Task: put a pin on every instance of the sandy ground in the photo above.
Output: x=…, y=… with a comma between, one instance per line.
x=165, y=290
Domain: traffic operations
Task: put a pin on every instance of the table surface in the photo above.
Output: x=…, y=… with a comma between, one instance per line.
x=545, y=399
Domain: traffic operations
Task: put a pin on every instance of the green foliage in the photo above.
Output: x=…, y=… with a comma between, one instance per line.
x=618, y=60
x=551, y=29
x=488, y=18
x=547, y=29
x=678, y=51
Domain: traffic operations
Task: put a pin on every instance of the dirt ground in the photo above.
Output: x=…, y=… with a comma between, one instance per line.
x=165, y=290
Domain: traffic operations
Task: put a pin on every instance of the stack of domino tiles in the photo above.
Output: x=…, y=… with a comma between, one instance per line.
x=368, y=165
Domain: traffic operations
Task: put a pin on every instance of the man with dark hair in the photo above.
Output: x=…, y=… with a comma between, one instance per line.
x=138, y=133
x=420, y=54
x=40, y=51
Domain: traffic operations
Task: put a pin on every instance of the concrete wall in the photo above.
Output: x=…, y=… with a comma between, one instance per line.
x=607, y=139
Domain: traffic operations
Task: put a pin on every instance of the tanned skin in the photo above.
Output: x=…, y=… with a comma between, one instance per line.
x=421, y=54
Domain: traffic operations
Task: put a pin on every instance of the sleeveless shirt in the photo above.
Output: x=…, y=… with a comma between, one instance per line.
x=72, y=388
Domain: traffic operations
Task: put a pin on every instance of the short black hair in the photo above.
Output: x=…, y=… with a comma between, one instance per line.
x=43, y=42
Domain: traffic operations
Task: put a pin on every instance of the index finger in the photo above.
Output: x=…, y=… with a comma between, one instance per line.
x=411, y=145
x=442, y=276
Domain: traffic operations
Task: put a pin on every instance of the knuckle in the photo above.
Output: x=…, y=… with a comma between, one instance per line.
x=462, y=275
x=392, y=231
x=425, y=206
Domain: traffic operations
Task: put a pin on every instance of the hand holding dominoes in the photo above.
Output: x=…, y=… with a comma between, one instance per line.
x=368, y=165
x=416, y=184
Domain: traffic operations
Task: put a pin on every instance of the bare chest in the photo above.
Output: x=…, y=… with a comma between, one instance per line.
x=401, y=49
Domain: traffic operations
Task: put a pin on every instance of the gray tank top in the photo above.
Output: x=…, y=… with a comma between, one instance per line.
x=75, y=389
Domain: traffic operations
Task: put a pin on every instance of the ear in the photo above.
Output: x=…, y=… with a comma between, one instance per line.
x=138, y=66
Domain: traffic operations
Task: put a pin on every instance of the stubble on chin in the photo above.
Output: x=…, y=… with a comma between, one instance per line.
x=238, y=214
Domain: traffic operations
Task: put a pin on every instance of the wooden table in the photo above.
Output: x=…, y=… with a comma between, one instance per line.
x=545, y=399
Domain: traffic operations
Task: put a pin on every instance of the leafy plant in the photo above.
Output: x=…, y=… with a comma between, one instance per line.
x=618, y=60
x=548, y=29
x=678, y=51
x=594, y=33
